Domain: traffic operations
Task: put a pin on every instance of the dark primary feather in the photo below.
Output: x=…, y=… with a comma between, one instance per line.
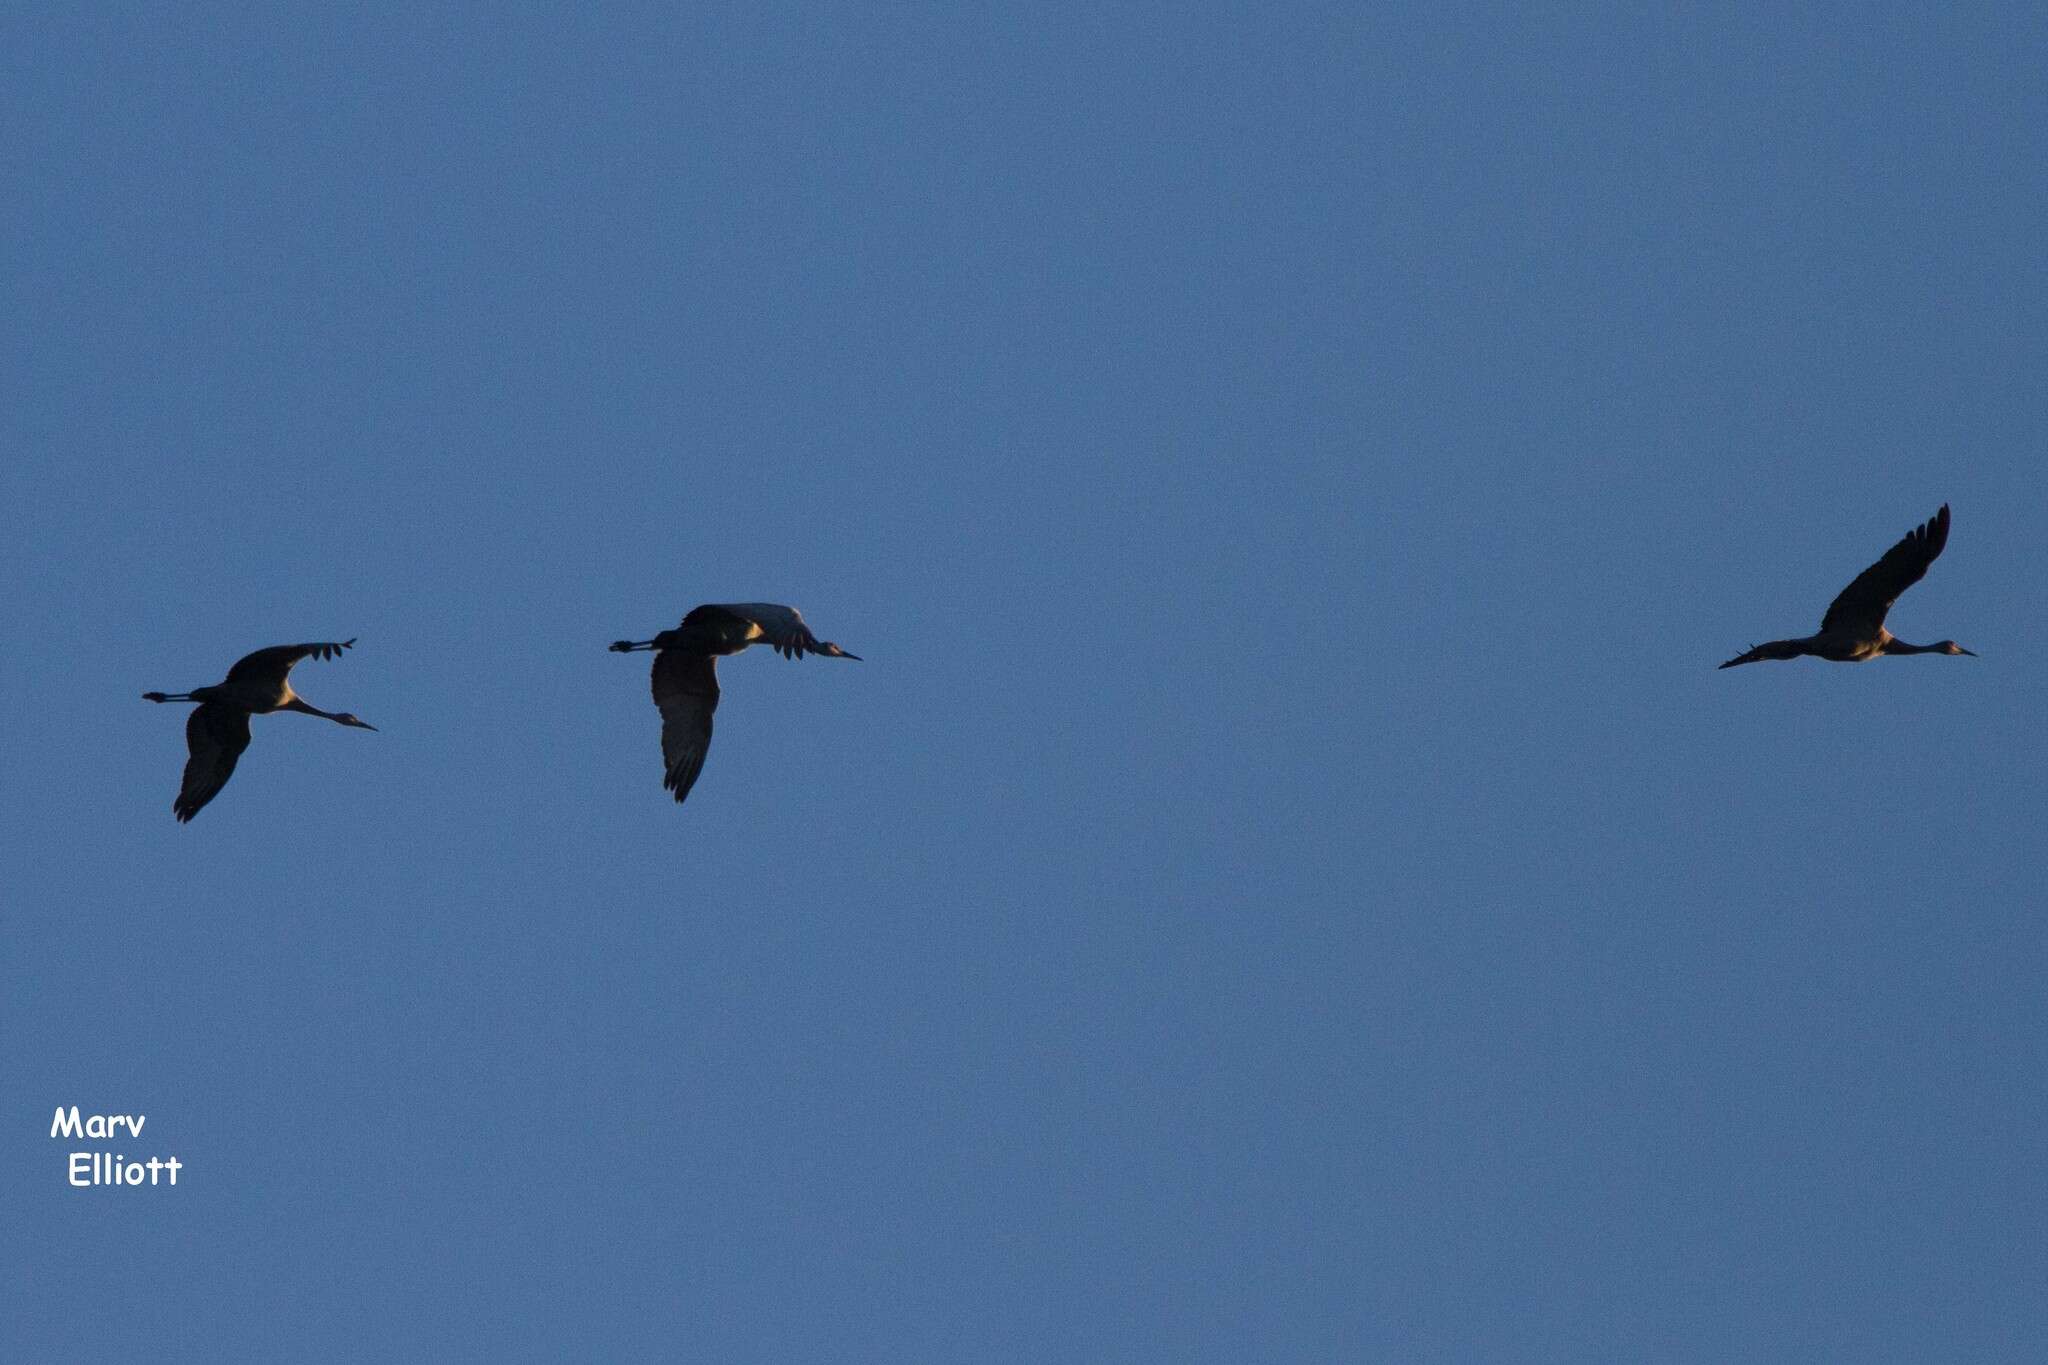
x=1866, y=601
x=277, y=660
x=686, y=690
x=782, y=628
x=216, y=736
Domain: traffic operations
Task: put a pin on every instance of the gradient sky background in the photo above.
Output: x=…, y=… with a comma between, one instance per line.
x=1288, y=882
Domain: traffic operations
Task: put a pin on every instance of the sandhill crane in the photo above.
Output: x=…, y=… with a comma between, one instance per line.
x=218, y=730
x=1853, y=630
x=686, y=672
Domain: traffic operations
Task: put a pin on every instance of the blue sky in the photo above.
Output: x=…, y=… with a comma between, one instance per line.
x=1288, y=881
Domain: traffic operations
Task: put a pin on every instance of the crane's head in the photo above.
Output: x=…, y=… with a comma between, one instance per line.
x=1951, y=647
x=349, y=718
x=832, y=651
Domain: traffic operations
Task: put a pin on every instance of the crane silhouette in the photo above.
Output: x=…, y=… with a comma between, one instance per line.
x=218, y=729
x=686, y=673
x=1853, y=630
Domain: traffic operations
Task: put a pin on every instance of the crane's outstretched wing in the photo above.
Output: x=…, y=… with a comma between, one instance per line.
x=1865, y=602
x=686, y=690
x=277, y=660
x=782, y=628
x=216, y=735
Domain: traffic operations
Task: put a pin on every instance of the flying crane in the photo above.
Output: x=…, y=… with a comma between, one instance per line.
x=1853, y=630
x=686, y=673
x=218, y=729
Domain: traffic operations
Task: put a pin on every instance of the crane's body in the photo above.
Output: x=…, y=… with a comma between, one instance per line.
x=217, y=731
x=685, y=674
x=257, y=696
x=1853, y=630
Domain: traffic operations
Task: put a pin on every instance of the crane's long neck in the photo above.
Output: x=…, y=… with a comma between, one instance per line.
x=300, y=704
x=1897, y=646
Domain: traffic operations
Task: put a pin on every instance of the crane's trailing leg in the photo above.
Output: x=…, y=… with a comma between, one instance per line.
x=1774, y=649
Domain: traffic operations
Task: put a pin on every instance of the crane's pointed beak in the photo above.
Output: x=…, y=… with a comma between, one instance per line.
x=1971, y=652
